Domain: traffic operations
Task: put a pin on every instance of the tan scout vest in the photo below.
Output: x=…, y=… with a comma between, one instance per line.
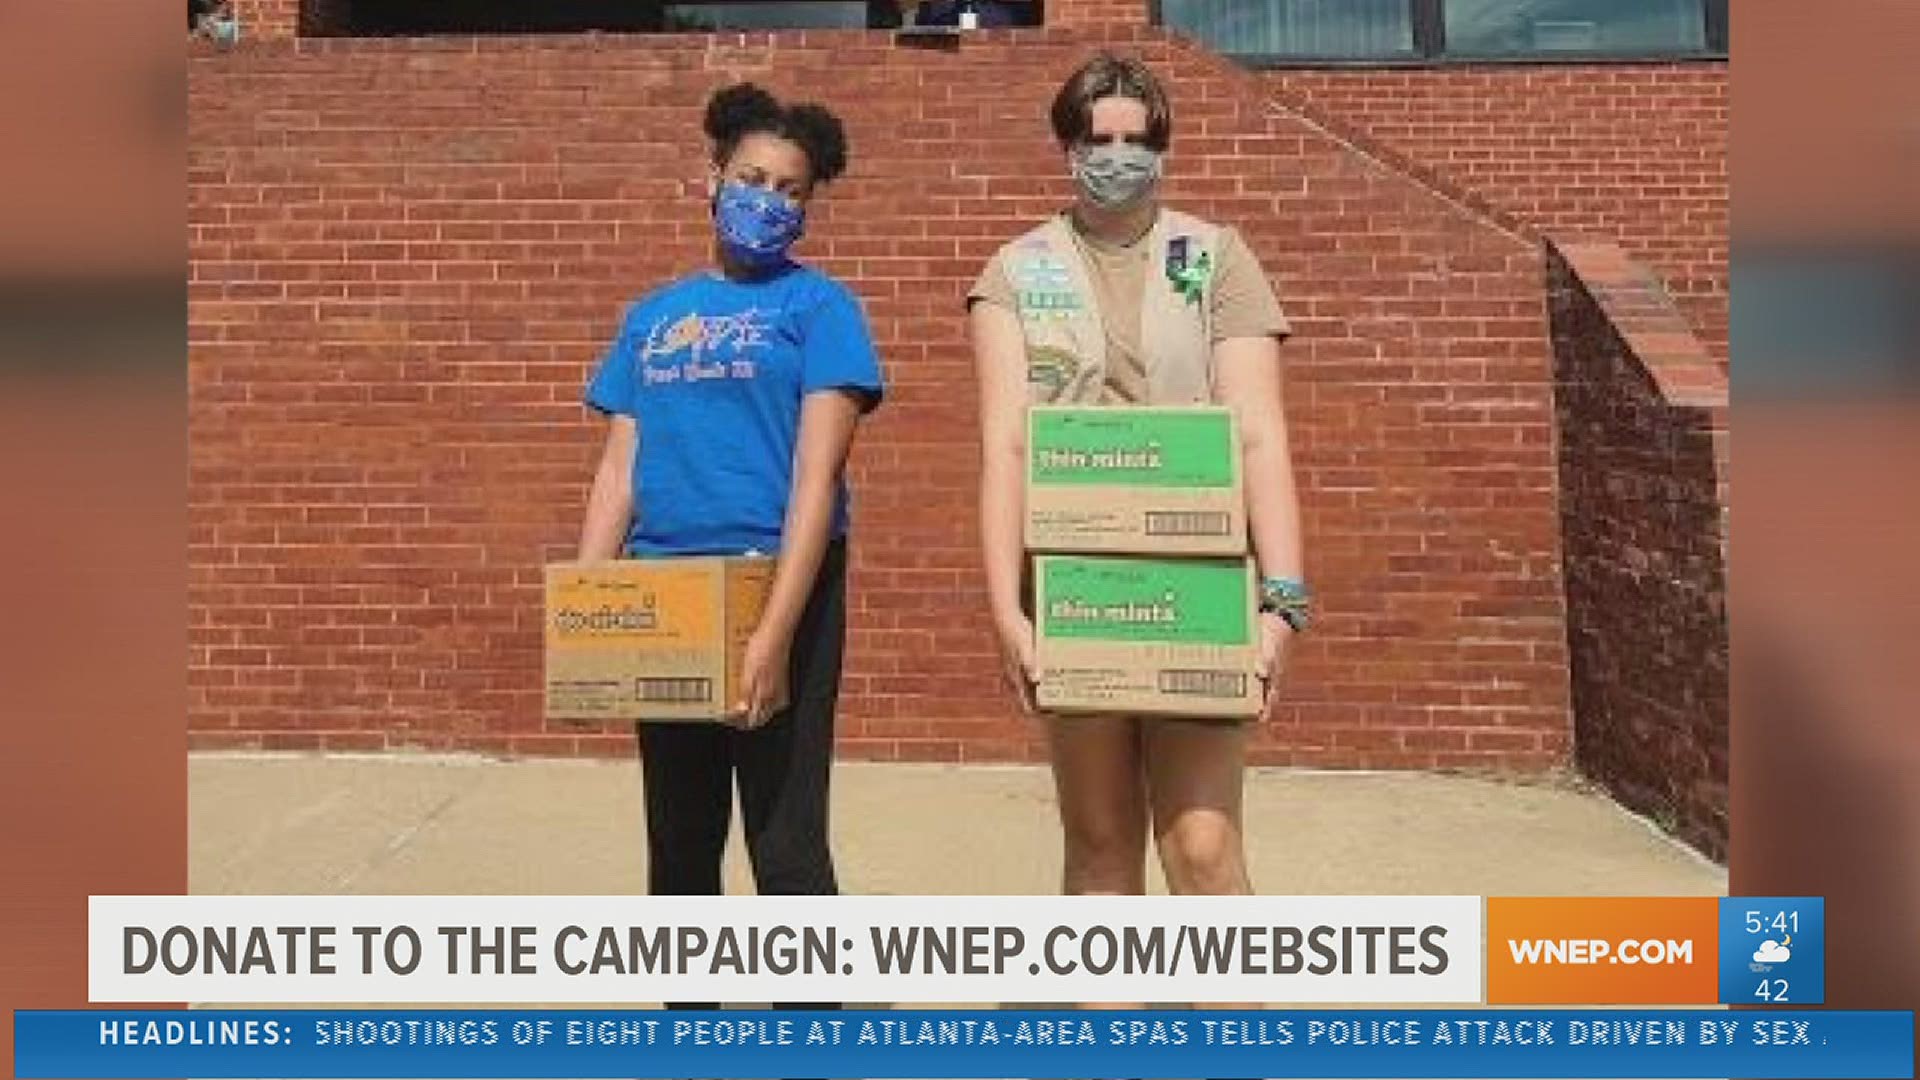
x=1066, y=337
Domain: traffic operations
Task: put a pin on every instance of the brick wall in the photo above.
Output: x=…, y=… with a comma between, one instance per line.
x=1643, y=470
x=1096, y=14
x=1631, y=153
x=268, y=20
x=280, y=20
x=406, y=255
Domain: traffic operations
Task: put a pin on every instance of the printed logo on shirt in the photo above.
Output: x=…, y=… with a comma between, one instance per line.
x=688, y=349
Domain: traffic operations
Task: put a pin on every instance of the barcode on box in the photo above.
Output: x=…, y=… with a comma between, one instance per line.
x=673, y=691
x=1195, y=683
x=1187, y=523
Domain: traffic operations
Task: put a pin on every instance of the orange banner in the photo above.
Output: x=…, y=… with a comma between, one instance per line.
x=1603, y=950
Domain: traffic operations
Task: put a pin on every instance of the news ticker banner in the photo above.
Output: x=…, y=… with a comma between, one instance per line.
x=1145, y=1045
x=1427, y=950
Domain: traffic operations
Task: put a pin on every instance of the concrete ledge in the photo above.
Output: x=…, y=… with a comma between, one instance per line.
x=1649, y=323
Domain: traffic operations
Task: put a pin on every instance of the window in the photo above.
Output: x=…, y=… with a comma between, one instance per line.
x=1376, y=30
x=1612, y=27
x=769, y=15
x=1299, y=28
x=381, y=18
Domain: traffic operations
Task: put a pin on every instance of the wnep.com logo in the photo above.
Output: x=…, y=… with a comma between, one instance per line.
x=1616, y=950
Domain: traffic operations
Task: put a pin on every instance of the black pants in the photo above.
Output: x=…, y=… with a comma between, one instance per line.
x=781, y=767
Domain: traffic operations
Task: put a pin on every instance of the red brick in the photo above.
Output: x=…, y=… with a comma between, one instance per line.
x=1640, y=478
x=1598, y=163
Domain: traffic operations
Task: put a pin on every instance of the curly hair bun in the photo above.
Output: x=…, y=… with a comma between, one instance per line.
x=744, y=109
x=738, y=109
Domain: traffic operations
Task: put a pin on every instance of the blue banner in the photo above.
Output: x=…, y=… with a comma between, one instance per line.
x=1773, y=950
x=1142, y=1045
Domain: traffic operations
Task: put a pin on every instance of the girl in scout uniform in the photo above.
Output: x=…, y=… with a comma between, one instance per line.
x=1122, y=301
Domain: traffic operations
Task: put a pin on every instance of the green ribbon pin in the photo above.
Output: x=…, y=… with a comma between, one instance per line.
x=1189, y=279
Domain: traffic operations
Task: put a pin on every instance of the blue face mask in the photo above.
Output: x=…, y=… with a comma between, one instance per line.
x=756, y=226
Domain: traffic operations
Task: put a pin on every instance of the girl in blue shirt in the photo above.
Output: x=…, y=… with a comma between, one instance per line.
x=732, y=396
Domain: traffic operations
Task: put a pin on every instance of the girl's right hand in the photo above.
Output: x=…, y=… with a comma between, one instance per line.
x=1017, y=658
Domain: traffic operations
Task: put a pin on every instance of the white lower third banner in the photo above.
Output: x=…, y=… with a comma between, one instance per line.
x=748, y=949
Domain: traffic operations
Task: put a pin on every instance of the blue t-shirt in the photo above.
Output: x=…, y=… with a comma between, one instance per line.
x=714, y=371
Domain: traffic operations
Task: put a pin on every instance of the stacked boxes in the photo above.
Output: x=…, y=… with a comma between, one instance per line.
x=652, y=639
x=1144, y=594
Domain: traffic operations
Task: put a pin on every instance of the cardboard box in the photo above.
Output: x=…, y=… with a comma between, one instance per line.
x=1173, y=637
x=1134, y=480
x=650, y=639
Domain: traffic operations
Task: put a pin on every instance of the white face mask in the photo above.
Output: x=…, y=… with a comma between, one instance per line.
x=1116, y=175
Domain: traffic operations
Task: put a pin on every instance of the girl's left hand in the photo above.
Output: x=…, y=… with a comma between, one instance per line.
x=1275, y=637
x=763, y=680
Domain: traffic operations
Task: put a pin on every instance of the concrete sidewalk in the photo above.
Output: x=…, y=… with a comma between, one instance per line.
x=422, y=824
x=419, y=824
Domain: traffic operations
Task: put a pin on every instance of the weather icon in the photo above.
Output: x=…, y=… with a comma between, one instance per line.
x=1772, y=952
